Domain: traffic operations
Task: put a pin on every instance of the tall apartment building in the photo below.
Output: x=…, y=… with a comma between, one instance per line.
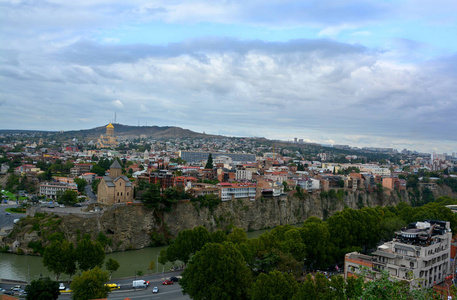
x=419, y=254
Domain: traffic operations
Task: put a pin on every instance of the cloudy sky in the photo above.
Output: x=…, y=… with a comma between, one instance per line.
x=357, y=72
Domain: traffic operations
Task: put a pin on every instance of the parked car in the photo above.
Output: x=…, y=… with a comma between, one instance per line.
x=174, y=279
x=155, y=290
x=167, y=282
x=51, y=206
x=61, y=286
x=8, y=213
x=78, y=205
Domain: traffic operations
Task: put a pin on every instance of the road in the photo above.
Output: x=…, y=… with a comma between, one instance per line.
x=8, y=220
x=168, y=292
x=90, y=194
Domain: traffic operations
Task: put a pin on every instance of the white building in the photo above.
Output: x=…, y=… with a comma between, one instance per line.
x=241, y=174
x=419, y=254
x=233, y=191
x=50, y=189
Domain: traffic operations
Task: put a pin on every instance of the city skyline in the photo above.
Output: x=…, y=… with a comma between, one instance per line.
x=363, y=74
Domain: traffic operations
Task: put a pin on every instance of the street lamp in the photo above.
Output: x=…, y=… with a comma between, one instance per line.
x=157, y=262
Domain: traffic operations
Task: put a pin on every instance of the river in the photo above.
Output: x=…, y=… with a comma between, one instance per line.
x=27, y=268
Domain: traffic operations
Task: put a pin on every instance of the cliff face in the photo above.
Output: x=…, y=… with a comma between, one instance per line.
x=135, y=227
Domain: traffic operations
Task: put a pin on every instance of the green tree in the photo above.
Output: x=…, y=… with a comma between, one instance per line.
x=111, y=266
x=152, y=266
x=152, y=197
x=81, y=184
x=218, y=271
x=60, y=257
x=275, y=285
x=163, y=256
x=95, y=185
x=67, y=197
x=89, y=254
x=209, y=163
x=90, y=285
x=187, y=243
x=237, y=236
x=42, y=289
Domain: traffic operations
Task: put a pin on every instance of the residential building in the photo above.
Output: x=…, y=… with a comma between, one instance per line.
x=419, y=254
x=50, y=189
x=79, y=169
x=230, y=191
x=242, y=174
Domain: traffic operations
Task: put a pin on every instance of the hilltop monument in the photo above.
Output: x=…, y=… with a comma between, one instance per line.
x=108, y=140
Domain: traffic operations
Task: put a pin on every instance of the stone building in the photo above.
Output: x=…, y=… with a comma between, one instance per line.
x=115, y=188
x=108, y=140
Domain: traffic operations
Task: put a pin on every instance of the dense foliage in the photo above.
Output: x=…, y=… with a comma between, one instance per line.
x=42, y=289
x=277, y=259
x=90, y=285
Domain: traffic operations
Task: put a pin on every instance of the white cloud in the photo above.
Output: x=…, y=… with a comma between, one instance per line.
x=118, y=104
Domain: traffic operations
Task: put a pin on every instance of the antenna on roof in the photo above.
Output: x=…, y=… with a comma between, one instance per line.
x=114, y=116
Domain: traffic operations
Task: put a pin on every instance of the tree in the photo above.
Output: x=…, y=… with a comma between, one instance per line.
x=187, y=243
x=89, y=254
x=275, y=285
x=218, y=271
x=163, y=256
x=42, y=289
x=152, y=266
x=60, y=257
x=209, y=163
x=152, y=197
x=90, y=285
x=68, y=197
x=111, y=266
x=81, y=184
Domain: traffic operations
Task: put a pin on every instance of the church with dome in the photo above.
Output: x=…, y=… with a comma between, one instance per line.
x=108, y=140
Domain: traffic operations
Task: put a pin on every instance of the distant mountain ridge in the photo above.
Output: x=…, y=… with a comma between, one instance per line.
x=121, y=131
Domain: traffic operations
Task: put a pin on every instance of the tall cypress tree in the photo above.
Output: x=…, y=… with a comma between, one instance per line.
x=209, y=163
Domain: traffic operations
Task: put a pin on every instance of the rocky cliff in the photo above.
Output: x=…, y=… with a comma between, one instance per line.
x=134, y=227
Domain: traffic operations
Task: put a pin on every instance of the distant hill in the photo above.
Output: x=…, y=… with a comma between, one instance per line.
x=119, y=130
x=132, y=131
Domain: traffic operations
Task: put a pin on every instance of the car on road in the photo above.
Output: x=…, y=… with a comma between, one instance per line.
x=167, y=282
x=51, y=206
x=16, y=288
x=155, y=290
x=61, y=205
x=8, y=213
x=113, y=286
x=78, y=205
x=61, y=286
x=174, y=279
